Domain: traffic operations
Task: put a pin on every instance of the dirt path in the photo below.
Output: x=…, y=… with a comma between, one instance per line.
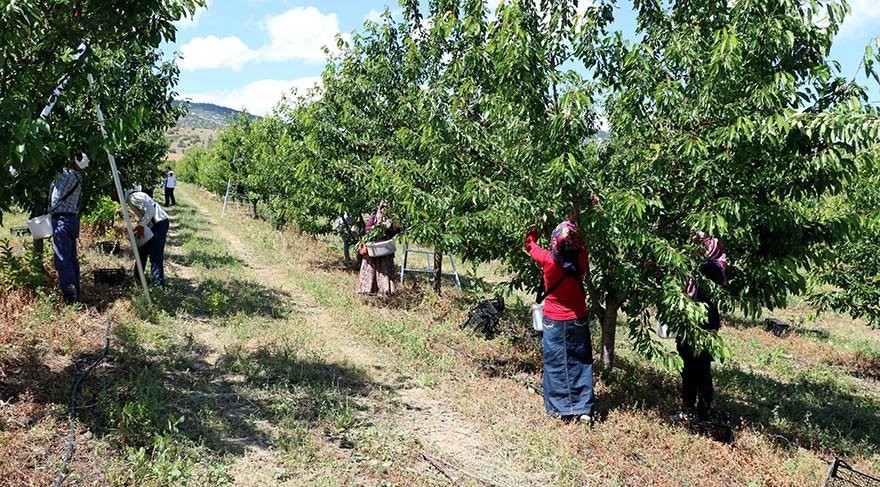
x=455, y=445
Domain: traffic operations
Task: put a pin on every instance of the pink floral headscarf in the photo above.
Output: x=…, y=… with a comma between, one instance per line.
x=566, y=245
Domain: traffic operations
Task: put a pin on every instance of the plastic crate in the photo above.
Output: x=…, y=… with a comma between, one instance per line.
x=108, y=247
x=777, y=327
x=840, y=474
x=110, y=277
x=20, y=231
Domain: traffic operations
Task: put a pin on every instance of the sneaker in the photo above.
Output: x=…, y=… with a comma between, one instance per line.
x=584, y=418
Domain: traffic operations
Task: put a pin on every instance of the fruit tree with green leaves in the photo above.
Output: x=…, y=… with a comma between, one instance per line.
x=725, y=117
x=40, y=40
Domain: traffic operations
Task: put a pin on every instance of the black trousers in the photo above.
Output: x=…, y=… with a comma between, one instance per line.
x=696, y=379
x=169, y=197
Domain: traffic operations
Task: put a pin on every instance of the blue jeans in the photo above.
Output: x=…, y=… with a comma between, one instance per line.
x=568, y=368
x=155, y=250
x=65, y=231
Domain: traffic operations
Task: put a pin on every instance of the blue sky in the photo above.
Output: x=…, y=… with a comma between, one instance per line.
x=247, y=53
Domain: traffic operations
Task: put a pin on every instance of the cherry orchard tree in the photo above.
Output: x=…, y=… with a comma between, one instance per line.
x=495, y=113
x=849, y=281
x=40, y=40
x=727, y=118
x=466, y=126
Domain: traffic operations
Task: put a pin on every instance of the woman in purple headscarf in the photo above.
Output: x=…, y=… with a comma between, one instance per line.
x=696, y=375
x=567, y=351
x=377, y=273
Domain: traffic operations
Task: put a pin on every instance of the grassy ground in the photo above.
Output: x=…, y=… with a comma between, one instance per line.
x=258, y=365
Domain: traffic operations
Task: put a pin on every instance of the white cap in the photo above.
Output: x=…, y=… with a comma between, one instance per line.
x=131, y=191
x=82, y=162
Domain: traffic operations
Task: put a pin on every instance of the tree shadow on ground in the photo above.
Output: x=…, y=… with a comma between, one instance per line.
x=809, y=414
x=741, y=323
x=212, y=297
x=250, y=399
x=408, y=297
x=208, y=260
x=102, y=296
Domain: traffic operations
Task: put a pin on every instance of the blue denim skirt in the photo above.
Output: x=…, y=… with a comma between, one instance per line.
x=568, y=368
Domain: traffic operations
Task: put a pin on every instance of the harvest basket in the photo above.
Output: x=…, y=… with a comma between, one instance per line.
x=379, y=249
x=110, y=277
x=40, y=226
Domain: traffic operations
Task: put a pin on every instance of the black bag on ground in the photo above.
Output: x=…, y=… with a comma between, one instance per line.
x=716, y=426
x=484, y=317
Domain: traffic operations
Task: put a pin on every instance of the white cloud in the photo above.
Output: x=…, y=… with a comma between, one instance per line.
x=187, y=22
x=213, y=52
x=257, y=98
x=300, y=34
x=375, y=16
x=864, y=13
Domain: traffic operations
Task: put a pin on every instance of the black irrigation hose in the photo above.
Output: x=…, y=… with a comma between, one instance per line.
x=71, y=439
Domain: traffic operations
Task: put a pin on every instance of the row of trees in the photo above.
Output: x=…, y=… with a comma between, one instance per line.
x=725, y=117
x=40, y=40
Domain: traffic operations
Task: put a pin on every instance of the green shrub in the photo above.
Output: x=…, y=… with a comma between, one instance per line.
x=101, y=214
x=18, y=271
x=204, y=167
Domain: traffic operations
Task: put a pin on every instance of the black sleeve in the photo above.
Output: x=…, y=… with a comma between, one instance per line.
x=713, y=271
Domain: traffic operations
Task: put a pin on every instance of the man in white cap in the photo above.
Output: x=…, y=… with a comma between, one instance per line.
x=148, y=214
x=64, y=208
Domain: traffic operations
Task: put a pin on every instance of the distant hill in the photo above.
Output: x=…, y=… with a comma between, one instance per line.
x=207, y=116
x=198, y=127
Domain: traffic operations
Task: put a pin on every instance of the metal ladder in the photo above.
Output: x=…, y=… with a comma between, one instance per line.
x=237, y=199
x=429, y=268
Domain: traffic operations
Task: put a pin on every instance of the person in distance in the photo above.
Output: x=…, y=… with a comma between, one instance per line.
x=696, y=375
x=377, y=273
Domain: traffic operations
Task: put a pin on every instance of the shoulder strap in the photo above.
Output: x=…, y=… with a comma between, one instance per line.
x=542, y=294
x=64, y=198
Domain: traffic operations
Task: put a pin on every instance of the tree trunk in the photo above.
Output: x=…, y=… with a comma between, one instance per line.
x=39, y=245
x=438, y=270
x=609, y=329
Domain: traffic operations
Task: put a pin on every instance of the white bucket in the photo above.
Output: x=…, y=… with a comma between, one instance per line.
x=148, y=234
x=379, y=249
x=538, y=316
x=40, y=226
x=663, y=331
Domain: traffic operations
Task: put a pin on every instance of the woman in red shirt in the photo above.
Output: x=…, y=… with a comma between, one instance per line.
x=567, y=354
